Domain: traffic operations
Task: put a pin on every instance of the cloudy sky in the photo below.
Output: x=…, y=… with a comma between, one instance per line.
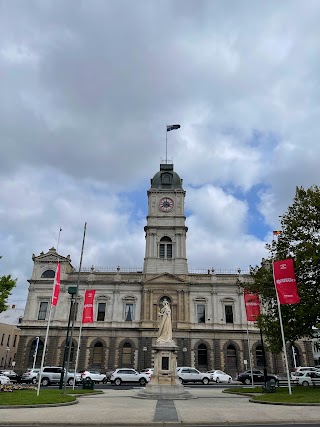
x=87, y=88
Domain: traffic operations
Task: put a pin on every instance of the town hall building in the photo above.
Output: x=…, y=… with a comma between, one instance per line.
x=208, y=312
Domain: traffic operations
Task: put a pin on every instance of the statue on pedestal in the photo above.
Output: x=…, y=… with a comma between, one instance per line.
x=165, y=324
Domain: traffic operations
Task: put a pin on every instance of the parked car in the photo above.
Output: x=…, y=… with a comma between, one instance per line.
x=52, y=375
x=187, y=374
x=305, y=377
x=95, y=376
x=258, y=377
x=127, y=375
x=147, y=371
x=4, y=379
x=14, y=377
x=30, y=376
x=220, y=376
x=303, y=369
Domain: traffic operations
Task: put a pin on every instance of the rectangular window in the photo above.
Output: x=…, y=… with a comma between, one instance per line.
x=169, y=251
x=229, y=313
x=43, y=311
x=2, y=339
x=162, y=250
x=201, y=312
x=15, y=340
x=8, y=341
x=129, y=312
x=101, y=311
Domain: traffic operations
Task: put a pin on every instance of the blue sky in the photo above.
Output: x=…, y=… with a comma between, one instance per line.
x=87, y=89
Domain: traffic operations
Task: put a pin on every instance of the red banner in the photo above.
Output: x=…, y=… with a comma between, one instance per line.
x=252, y=303
x=87, y=315
x=285, y=281
x=56, y=289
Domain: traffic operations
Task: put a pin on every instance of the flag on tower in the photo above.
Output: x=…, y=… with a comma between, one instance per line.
x=277, y=232
x=172, y=127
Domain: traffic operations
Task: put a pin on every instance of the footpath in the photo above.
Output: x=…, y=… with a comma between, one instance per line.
x=122, y=407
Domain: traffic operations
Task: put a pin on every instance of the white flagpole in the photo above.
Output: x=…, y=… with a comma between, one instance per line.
x=48, y=325
x=166, y=143
x=283, y=339
x=250, y=358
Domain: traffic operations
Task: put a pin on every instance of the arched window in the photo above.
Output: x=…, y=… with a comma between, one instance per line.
x=202, y=357
x=165, y=247
x=33, y=353
x=48, y=274
x=126, y=355
x=231, y=358
x=97, y=357
x=259, y=357
x=164, y=298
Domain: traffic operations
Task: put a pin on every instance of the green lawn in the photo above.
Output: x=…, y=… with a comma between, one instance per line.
x=29, y=397
x=299, y=394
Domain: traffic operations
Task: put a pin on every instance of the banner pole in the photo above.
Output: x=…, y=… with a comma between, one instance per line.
x=283, y=339
x=77, y=357
x=250, y=359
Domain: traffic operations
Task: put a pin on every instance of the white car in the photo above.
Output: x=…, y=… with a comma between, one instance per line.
x=188, y=374
x=127, y=375
x=95, y=376
x=220, y=377
x=147, y=371
x=305, y=377
x=4, y=379
x=30, y=376
x=303, y=369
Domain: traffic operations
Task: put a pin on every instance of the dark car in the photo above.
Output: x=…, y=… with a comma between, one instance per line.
x=258, y=377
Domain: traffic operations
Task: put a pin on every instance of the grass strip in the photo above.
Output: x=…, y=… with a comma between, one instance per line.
x=29, y=397
x=299, y=394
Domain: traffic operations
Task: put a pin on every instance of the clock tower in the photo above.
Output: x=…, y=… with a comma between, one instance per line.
x=166, y=230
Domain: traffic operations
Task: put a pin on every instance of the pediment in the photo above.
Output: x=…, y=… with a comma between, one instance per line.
x=50, y=256
x=165, y=278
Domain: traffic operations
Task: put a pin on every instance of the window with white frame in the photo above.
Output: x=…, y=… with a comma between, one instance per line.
x=201, y=313
x=129, y=312
x=43, y=308
x=165, y=248
x=129, y=304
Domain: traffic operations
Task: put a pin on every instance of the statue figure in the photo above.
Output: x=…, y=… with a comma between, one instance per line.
x=165, y=325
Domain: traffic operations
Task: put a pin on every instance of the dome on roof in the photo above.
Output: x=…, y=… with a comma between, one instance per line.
x=166, y=178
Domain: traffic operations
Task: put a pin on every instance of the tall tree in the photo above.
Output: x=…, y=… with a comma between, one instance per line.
x=6, y=285
x=300, y=240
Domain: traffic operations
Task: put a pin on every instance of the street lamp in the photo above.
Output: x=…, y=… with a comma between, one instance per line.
x=184, y=355
x=5, y=360
x=144, y=356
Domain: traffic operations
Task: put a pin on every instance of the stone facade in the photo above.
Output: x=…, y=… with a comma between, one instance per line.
x=208, y=313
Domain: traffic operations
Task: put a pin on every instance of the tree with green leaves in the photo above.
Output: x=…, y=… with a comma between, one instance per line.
x=6, y=285
x=300, y=240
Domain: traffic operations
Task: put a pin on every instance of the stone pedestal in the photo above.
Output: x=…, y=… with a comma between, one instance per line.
x=165, y=383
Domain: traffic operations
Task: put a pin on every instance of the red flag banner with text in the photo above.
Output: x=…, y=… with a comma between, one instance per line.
x=285, y=281
x=252, y=303
x=56, y=289
x=87, y=315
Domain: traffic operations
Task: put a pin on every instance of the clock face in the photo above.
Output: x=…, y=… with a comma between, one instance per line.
x=166, y=204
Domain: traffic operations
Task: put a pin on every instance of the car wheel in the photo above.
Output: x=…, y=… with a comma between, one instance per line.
x=229, y=381
x=142, y=381
x=34, y=380
x=117, y=381
x=305, y=383
x=247, y=381
x=70, y=381
x=104, y=381
x=181, y=380
x=45, y=382
x=217, y=380
x=205, y=381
